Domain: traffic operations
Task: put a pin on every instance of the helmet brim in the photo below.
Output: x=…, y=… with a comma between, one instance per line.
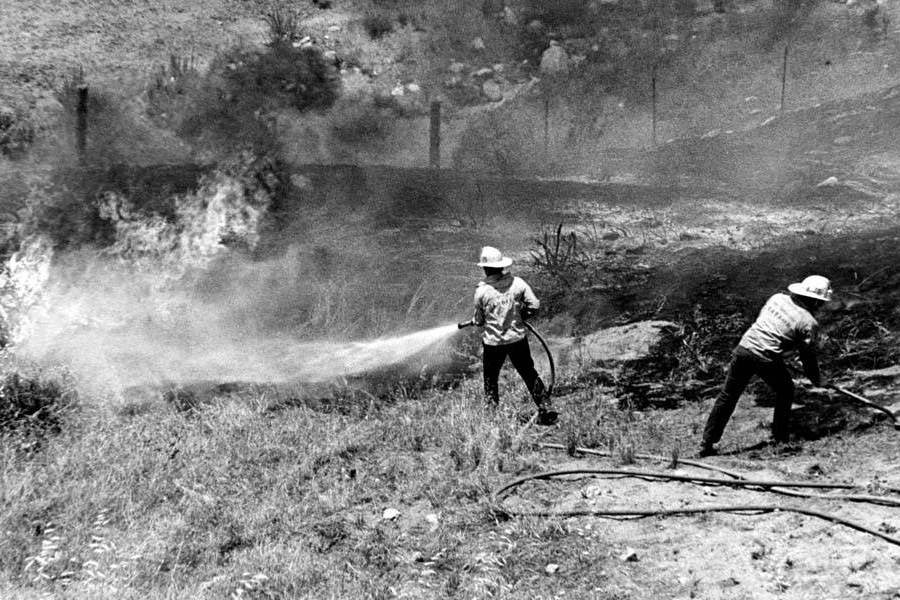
x=496, y=264
x=797, y=288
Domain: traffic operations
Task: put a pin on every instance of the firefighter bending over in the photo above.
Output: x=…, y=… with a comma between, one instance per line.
x=784, y=324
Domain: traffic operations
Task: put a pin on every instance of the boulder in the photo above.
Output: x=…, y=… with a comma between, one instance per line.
x=554, y=60
x=620, y=344
x=491, y=90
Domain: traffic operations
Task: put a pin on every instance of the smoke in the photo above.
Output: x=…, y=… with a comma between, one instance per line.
x=182, y=300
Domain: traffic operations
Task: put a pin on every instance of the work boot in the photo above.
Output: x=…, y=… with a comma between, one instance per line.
x=546, y=416
x=707, y=450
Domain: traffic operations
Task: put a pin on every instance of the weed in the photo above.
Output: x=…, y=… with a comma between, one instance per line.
x=625, y=453
x=284, y=25
x=558, y=254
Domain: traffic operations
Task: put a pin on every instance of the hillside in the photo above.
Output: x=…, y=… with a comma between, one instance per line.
x=230, y=366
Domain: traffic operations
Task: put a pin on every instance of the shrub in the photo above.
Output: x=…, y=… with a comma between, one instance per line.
x=361, y=125
x=171, y=88
x=16, y=133
x=243, y=87
x=560, y=12
x=32, y=407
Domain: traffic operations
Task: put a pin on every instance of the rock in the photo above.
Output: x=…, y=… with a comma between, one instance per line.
x=510, y=17
x=413, y=88
x=334, y=28
x=614, y=344
x=630, y=555
x=535, y=27
x=551, y=568
x=301, y=182
x=398, y=90
x=830, y=182
x=477, y=44
x=554, y=60
x=390, y=514
x=491, y=90
x=483, y=72
x=492, y=8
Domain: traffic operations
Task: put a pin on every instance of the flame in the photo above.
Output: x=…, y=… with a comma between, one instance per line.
x=135, y=313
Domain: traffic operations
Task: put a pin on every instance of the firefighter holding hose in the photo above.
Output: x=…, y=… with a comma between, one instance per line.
x=502, y=303
x=786, y=323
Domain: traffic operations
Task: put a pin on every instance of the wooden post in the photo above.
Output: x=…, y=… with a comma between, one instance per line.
x=434, y=154
x=546, y=124
x=653, y=93
x=81, y=113
x=784, y=73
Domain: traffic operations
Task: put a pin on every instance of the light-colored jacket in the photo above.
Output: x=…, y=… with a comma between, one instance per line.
x=784, y=326
x=499, y=301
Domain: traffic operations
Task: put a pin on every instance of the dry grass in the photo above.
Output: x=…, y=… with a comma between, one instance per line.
x=254, y=496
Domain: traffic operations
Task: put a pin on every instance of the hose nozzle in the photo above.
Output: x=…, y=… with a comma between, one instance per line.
x=464, y=324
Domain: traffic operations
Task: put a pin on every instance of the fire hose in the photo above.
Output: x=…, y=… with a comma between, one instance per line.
x=540, y=339
x=775, y=486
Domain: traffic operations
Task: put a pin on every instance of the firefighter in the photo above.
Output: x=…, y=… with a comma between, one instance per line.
x=786, y=323
x=502, y=303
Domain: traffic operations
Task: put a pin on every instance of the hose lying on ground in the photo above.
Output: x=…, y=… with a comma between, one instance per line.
x=503, y=491
x=779, y=488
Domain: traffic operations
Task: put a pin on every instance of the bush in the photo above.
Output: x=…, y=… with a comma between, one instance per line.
x=361, y=125
x=16, y=133
x=171, y=89
x=558, y=13
x=243, y=88
x=32, y=408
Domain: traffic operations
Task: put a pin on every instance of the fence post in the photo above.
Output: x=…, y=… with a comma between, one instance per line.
x=434, y=154
x=653, y=86
x=546, y=125
x=784, y=73
x=81, y=112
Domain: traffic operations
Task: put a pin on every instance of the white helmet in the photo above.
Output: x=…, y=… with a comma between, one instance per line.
x=491, y=257
x=814, y=286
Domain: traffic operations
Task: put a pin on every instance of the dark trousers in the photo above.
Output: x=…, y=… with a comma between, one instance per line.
x=744, y=365
x=519, y=355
